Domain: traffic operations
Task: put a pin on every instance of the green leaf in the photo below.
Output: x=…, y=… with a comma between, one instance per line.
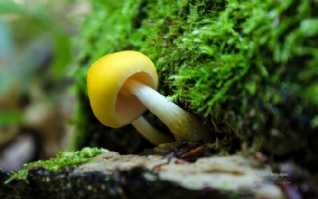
x=10, y=117
x=309, y=27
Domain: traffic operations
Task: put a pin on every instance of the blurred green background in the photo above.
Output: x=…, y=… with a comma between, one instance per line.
x=36, y=100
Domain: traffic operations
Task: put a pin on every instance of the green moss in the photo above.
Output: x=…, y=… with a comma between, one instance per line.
x=253, y=77
x=62, y=160
x=247, y=68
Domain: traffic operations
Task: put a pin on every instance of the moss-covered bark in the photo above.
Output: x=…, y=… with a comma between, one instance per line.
x=247, y=68
x=154, y=176
x=98, y=185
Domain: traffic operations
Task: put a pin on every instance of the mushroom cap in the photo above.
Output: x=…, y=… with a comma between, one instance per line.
x=105, y=78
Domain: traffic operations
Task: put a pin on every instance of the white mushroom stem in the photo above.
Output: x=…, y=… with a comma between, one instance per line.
x=150, y=133
x=182, y=124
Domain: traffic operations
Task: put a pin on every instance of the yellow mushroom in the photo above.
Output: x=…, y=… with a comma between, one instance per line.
x=122, y=86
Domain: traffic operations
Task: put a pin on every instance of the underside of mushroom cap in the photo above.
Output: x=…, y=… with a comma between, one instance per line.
x=105, y=79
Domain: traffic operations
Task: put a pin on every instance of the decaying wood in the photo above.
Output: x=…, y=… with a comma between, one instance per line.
x=112, y=175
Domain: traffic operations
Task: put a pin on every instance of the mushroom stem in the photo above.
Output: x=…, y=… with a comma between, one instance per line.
x=150, y=133
x=182, y=124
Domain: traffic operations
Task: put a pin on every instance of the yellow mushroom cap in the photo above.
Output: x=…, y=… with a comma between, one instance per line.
x=105, y=78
